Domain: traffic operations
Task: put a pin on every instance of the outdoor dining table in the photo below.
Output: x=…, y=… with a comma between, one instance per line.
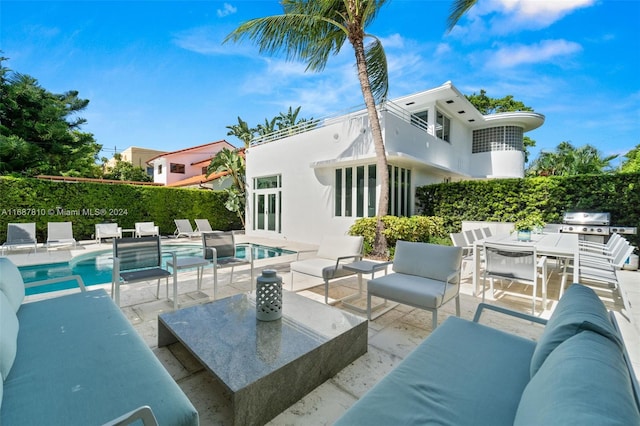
x=557, y=245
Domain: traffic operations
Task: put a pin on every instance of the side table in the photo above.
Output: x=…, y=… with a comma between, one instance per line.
x=365, y=267
x=189, y=262
x=131, y=232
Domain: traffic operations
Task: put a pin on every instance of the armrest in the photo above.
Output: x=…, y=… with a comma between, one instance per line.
x=304, y=251
x=355, y=258
x=541, y=261
x=509, y=312
x=143, y=413
x=77, y=278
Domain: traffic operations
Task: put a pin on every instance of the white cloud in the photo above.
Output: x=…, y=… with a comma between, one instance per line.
x=507, y=16
x=226, y=10
x=545, y=51
x=542, y=12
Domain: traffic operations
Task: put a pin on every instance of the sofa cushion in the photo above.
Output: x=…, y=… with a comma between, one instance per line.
x=584, y=381
x=334, y=247
x=81, y=362
x=411, y=289
x=444, y=382
x=317, y=267
x=11, y=283
x=8, y=335
x=426, y=260
x=579, y=309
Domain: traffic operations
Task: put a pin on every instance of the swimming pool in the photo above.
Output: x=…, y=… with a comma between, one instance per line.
x=96, y=267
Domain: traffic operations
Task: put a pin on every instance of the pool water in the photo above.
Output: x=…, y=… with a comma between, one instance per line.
x=96, y=267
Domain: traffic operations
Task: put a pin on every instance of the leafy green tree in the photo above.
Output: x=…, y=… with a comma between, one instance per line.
x=488, y=105
x=632, y=162
x=40, y=131
x=123, y=170
x=232, y=164
x=568, y=160
x=311, y=31
x=242, y=131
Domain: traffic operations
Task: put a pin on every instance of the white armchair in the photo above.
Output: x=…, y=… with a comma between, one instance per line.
x=147, y=229
x=107, y=230
x=425, y=276
x=333, y=254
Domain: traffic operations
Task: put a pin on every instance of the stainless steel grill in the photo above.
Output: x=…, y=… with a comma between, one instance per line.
x=593, y=223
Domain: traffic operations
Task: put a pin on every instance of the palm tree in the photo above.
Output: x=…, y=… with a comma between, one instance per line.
x=242, y=131
x=267, y=127
x=310, y=31
x=232, y=164
x=567, y=160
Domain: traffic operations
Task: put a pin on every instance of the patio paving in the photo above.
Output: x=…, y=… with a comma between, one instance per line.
x=391, y=336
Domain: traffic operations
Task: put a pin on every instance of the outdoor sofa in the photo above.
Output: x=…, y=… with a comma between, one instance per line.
x=76, y=360
x=466, y=373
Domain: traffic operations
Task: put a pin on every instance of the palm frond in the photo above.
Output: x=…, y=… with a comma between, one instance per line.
x=377, y=69
x=458, y=8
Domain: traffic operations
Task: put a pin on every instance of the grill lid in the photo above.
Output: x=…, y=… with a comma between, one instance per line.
x=586, y=218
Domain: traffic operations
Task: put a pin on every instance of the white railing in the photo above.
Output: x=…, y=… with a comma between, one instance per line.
x=306, y=126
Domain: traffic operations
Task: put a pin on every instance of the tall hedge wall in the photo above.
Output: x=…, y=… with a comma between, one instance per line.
x=85, y=204
x=504, y=200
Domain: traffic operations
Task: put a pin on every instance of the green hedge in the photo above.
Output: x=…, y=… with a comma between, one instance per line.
x=415, y=228
x=85, y=204
x=507, y=200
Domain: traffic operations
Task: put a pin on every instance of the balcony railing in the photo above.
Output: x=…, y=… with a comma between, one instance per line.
x=353, y=112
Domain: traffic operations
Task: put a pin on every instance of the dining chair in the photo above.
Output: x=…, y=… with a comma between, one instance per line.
x=515, y=263
x=469, y=236
x=220, y=249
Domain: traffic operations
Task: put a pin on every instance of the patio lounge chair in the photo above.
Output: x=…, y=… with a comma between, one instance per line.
x=425, y=276
x=184, y=229
x=220, y=248
x=146, y=229
x=203, y=225
x=107, y=230
x=60, y=234
x=20, y=235
x=140, y=259
x=333, y=253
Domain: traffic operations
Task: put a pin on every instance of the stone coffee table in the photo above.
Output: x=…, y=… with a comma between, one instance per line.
x=266, y=366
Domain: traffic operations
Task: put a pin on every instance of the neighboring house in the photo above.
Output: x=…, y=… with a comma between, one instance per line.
x=317, y=179
x=138, y=157
x=187, y=167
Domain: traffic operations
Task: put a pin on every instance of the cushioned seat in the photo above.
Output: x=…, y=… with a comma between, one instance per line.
x=80, y=362
x=444, y=382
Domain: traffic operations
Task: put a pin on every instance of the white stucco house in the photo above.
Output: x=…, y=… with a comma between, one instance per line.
x=187, y=167
x=318, y=178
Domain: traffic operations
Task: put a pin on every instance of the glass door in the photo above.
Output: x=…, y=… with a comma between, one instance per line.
x=267, y=204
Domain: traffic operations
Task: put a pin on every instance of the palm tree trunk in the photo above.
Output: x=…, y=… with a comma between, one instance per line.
x=380, y=241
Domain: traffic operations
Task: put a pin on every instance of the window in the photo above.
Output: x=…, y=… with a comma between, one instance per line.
x=159, y=169
x=355, y=185
x=176, y=168
x=150, y=171
x=501, y=138
x=204, y=170
x=443, y=126
x=418, y=116
x=267, y=182
x=399, y=191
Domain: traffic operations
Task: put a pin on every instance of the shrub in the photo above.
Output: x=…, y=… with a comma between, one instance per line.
x=427, y=229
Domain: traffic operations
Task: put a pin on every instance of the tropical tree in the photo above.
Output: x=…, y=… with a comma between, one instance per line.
x=242, y=131
x=311, y=31
x=232, y=165
x=568, y=160
x=632, y=162
x=40, y=131
x=124, y=170
x=269, y=126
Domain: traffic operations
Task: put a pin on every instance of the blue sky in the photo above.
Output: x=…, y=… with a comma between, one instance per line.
x=157, y=75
